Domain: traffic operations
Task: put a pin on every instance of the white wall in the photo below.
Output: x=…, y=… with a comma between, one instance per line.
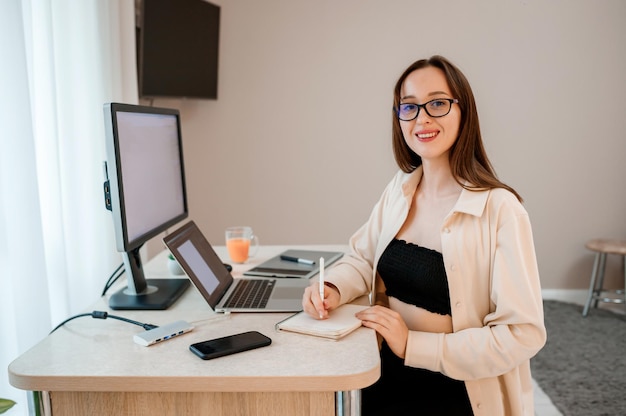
x=298, y=143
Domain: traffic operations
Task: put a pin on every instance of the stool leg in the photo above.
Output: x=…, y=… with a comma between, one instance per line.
x=600, y=284
x=592, y=284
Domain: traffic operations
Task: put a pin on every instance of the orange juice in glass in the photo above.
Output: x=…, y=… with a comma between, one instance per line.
x=238, y=241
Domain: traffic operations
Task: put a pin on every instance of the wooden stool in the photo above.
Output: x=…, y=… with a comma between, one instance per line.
x=602, y=247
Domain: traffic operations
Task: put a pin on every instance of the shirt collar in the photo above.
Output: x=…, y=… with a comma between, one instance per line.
x=469, y=202
x=472, y=202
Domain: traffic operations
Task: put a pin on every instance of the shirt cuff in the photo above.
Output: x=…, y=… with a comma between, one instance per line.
x=422, y=350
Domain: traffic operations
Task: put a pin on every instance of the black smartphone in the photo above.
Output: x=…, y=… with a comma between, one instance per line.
x=231, y=344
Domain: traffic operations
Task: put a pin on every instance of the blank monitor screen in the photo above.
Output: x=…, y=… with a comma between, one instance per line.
x=153, y=191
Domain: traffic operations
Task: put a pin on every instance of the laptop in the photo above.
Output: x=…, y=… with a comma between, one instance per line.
x=222, y=292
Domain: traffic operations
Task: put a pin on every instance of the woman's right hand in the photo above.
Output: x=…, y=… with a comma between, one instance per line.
x=317, y=307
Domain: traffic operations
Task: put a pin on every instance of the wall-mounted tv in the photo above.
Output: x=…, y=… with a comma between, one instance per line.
x=177, y=48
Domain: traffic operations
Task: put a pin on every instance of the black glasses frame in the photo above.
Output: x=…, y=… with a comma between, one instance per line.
x=420, y=106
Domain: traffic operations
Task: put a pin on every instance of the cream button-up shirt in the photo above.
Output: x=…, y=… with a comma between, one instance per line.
x=495, y=293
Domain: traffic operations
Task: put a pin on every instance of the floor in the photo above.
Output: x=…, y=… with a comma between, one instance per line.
x=543, y=404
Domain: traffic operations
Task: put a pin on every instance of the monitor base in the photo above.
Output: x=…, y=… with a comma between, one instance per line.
x=160, y=295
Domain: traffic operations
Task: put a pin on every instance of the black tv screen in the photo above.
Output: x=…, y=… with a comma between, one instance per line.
x=177, y=48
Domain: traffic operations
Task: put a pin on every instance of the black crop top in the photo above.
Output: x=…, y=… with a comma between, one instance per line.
x=415, y=275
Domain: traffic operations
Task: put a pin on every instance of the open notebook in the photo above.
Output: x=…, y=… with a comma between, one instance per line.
x=340, y=323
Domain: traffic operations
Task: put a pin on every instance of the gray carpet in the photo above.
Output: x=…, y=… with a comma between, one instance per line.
x=582, y=368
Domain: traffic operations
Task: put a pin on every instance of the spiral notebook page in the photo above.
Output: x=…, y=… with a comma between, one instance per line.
x=340, y=323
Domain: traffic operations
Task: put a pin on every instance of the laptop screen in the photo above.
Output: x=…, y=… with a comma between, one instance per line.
x=207, y=278
x=199, y=260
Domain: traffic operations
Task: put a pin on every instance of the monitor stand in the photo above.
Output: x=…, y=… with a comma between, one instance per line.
x=142, y=293
x=160, y=294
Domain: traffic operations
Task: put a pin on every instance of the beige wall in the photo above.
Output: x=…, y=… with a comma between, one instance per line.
x=298, y=143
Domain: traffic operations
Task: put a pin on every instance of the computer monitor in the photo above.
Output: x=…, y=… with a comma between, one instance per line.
x=145, y=192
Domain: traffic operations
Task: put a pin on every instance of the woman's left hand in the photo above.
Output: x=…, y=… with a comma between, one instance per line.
x=389, y=324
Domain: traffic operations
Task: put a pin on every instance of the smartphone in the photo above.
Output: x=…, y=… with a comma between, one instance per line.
x=231, y=344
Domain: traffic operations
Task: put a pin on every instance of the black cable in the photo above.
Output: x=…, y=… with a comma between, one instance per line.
x=113, y=278
x=105, y=315
x=111, y=282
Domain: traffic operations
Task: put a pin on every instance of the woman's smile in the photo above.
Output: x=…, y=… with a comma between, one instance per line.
x=426, y=135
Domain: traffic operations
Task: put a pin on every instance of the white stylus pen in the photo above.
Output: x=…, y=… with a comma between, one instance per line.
x=321, y=287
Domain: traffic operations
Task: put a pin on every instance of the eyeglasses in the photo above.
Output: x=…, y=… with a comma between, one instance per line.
x=438, y=107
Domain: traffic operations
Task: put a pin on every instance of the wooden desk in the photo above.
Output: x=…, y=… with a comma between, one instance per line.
x=93, y=367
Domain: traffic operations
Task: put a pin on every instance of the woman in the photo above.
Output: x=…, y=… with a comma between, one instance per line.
x=447, y=258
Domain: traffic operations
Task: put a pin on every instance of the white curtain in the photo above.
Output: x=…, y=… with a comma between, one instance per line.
x=60, y=61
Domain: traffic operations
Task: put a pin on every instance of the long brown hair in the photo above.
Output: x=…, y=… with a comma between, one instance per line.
x=468, y=159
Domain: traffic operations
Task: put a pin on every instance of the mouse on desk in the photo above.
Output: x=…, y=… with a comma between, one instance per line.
x=228, y=267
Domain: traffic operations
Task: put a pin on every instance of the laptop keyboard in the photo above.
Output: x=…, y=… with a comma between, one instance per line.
x=251, y=293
